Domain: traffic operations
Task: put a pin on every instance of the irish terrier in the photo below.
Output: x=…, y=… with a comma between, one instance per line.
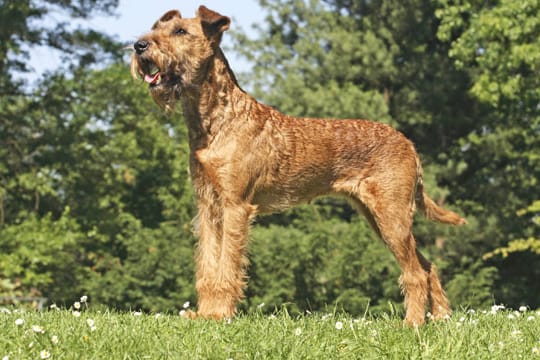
x=247, y=158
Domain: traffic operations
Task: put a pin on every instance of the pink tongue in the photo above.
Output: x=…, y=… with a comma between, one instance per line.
x=151, y=79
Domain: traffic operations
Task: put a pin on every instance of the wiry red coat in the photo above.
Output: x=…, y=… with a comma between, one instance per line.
x=248, y=158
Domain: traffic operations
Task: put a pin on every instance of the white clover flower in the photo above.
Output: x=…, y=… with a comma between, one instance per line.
x=522, y=308
x=339, y=325
x=5, y=310
x=298, y=331
x=496, y=308
x=536, y=350
x=261, y=305
x=158, y=315
x=182, y=312
x=5, y=357
x=272, y=317
x=44, y=354
x=53, y=307
x=77, y=305
x=137, y=313
x=515, y=333
x=54, y=339
x=511, y=316
x=471, y=311
x=186, y=305
x=19, y=322
x=462, y=319
x=530, y=318
x=326, y=316
x=84, y=299
x=76, y=313
x=362, y=321
x=90, y=322
x=37, y=329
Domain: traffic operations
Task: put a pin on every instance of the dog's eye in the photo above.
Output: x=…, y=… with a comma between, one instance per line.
x=180, y=32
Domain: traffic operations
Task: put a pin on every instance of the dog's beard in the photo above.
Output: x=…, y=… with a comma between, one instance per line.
x=166, y=95
x=165, y=86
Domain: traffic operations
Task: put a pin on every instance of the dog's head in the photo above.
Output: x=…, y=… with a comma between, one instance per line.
x=173, y=57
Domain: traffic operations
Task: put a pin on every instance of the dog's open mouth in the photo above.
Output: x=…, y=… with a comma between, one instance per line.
x=156, y=77
x=153, y=77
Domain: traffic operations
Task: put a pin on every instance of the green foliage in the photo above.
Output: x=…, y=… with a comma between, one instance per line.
x=121, y=168
x=95, y=194
x=38, y=256
x=530, y=244
x=473, y=285
x=321, y=263
x=155, y=274
x=498, y=48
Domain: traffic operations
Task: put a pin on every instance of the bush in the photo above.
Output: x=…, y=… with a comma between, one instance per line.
x=39, y=257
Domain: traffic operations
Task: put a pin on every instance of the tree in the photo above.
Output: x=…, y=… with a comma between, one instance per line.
x=95, y=196
x=26, y=189
x=23, y=29
x=497, y=45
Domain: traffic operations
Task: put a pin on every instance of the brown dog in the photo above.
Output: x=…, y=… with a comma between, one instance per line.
x=247, y=158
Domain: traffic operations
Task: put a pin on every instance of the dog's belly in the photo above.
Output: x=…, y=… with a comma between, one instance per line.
x=270, y=202
x=279, y=198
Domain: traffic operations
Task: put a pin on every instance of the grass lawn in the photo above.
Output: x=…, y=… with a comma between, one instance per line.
x=89, y=334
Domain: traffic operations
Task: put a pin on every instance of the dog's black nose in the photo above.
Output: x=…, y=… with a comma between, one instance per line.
x=140, y=46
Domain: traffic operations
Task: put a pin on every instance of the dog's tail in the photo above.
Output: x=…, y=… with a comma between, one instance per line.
x=434, y=212
x=430, y=209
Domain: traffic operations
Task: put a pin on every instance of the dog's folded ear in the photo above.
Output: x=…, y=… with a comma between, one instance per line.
x=169, y=15
x=214, y=24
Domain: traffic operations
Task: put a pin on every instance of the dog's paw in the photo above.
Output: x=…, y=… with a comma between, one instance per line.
x=189, y=314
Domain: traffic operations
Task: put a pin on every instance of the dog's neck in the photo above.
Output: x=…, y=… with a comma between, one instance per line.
x=204, y=106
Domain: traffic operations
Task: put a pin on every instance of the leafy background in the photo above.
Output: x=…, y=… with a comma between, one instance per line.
x=95, y=196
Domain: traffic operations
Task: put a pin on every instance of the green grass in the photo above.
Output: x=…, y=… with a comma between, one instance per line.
x=109, y=335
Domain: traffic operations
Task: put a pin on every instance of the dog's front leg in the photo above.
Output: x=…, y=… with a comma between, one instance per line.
x=221, y=259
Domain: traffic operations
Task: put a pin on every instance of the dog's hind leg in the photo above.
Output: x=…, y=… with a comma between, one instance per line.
x=389, y=211
x=439, y=305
